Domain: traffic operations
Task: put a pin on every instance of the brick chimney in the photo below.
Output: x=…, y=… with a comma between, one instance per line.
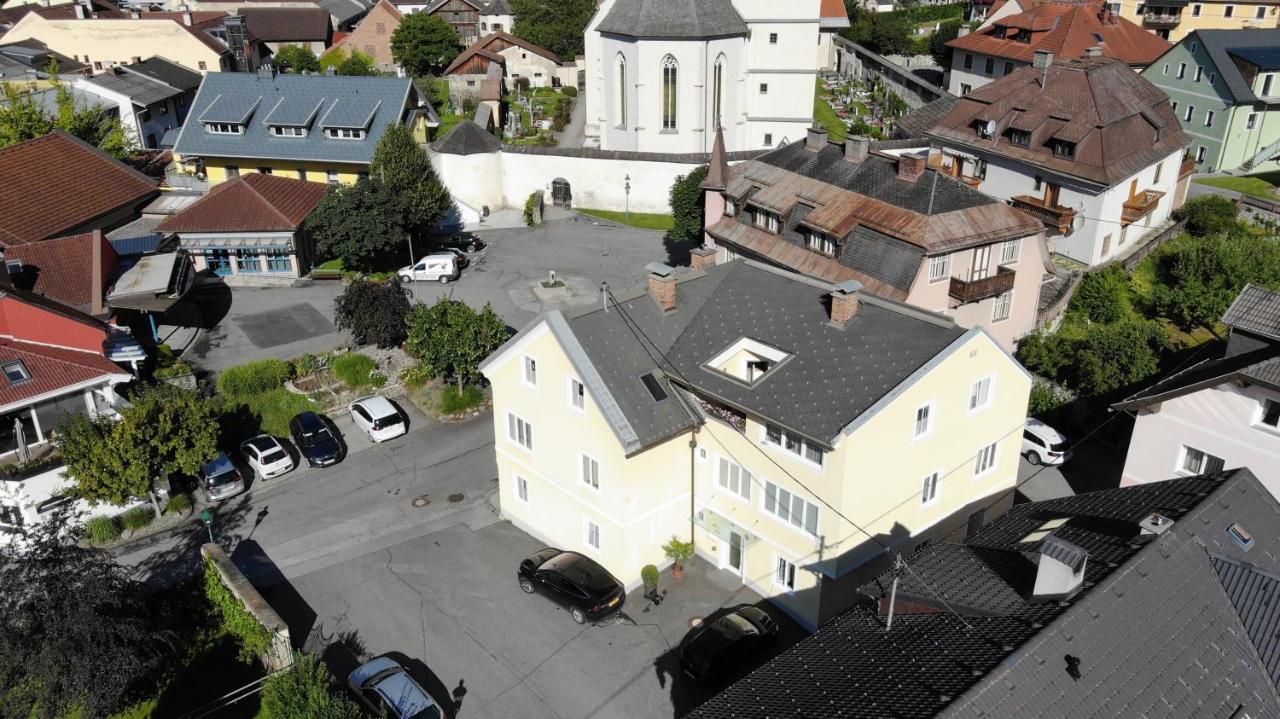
x=702, y=258
x=1094, y=51
x=103, y=261
x=845, y=299
x=911, y=165
x=662, y=285
x=856, y=149
x=816, y=139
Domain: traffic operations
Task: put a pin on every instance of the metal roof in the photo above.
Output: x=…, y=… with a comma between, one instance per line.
x=1221, y=44
x=141, y=90
x=1266, y=58
x=1255, y=310
x=350, y=112
x=673, y=19
x=231, y=109
x=294, y=111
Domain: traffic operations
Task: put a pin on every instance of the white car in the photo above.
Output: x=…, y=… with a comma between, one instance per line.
x=378, y=418
x=1042, y=444
x=266, y=456
x=441, y=267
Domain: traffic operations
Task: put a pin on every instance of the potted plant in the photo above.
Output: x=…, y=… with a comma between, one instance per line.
x=678, y=552
x=649, y=575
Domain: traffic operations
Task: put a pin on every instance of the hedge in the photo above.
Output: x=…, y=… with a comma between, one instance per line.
x=254, y=377
x=255, y=640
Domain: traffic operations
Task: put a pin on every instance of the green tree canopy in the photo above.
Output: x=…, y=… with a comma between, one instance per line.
x=306, y=690
x=78, y=636
x=1117, y=355
x=557, y=25
x=165, y=431
x=1103, y=296
x=1208, y=215
x=938, y=43
x=1198, y=280
x=450, y=339
x=351, y=62
x=402, y=169
x=295, y=58
x=374, y=312
x=687, y=206
x=23, y=118
x=357, y=223
x=424, y=44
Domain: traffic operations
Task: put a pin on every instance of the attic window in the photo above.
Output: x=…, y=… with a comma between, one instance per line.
x=287, y=131
x=1019, y=138
x=1044, y=530
x=1097, y=37
x=651, y=383
x=999, y=31
x=1241, y=535
x=344, y=133
x=223, y=128
x=748, y=360
x=1063, y=149
x=16, y=372
x=1024, y=35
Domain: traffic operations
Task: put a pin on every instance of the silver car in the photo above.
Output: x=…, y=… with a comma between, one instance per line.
x=386, y=688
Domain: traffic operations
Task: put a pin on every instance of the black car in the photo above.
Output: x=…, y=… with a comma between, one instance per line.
x=315, y=439
x=725, y=641
x=574, y=582
x=460, y=242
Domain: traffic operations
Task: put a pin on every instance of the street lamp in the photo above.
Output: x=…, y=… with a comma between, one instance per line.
x=627, y=189
x=207, y=517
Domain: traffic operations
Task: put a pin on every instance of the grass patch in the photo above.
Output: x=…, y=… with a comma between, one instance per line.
x=335, y=265
x=643, y=220
x=825, y=115
x=275, y=408
x=137, y=518
x=451, y=400
x=1261, y=185
x=356, y=371
x=101, y=530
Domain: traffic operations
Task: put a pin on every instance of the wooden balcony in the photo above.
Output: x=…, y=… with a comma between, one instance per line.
x=1139, y=206
x=1060, y=218
x=1188, y=167
x=979, y=290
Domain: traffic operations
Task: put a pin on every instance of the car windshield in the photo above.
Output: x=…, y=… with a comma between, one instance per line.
x=222, y=478
x=273, y=457
x=1059, y=446
x=262, y=444
x=731, y=626
x=314, y=434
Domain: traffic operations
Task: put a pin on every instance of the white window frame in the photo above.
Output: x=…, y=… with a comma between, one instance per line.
x=988, y=395
x=587, y=525
x=724, y=474
x=522, y=489
x=793, y=498
x=802, y=443
x=1208, y=118
x=986, y=460
x=1184, y=453
x=577, y=391
x=784, y=574
x=589, y=471
x=520, y=431
x=939, y=268
x=1010, y=251
x=1251, y=121
x=529, y=371
x=929, y=488
x=1002, y=306
x=918, y=434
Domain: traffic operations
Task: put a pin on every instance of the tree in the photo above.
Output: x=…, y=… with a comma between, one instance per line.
x=1197, y=280
x=1116, y=355
x=357, y=223
x=77, y=634
x=890, y=34
x=305, y=690
x=165, y=431
x=938, y=44
x=1103, y=295
x=557, y=25
x=403, y=171
x=22, y=118
x=358, y=63
x=687, y=208
x=375, y=312
x=1208, y=215
x=424, y=44
x=296, y=58
x=450, y=339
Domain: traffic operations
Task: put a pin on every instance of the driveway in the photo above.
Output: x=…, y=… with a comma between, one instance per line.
x=248, y=323
x=449, y=601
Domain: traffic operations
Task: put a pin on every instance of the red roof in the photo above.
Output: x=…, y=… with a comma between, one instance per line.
x=51, y=369
x=253, y=202
x=62, y=269
x=282, y=24
x=833, y=13
x=57, y=184
x=1065, y=29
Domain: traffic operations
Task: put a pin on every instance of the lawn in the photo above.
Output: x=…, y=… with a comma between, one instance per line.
x=274, y=409
x=1261, y=185
x=643, y=220
x=826, y=116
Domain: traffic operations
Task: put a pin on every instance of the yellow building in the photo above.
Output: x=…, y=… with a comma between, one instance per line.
x=761, y=414
x=1175, y=19
x=320, y=128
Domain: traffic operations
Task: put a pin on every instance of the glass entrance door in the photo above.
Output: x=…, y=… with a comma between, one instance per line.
x=735, y=552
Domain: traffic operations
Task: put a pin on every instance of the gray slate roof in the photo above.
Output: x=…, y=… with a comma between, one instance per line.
x=345, y=10
x=170, y=73
x=1152, y=633
x=834, y=376
x=495, y=7
x=1256, y=596
x=1255, y=310
x=1220, y=43
x=141, y=90
x=467, y=138
x=673, y=19
x=226, y=96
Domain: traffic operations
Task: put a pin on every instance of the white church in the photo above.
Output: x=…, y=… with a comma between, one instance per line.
x=663, y=74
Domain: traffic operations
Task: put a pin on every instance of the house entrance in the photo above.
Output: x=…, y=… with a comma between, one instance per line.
x=561, y=196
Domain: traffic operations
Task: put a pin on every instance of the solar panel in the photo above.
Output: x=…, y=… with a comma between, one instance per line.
x=351, y=112
x=294, y=112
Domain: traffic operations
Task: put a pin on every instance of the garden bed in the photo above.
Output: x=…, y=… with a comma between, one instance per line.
x=440, y=401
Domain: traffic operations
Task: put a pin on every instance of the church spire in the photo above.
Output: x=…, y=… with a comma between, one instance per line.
x=718, y=167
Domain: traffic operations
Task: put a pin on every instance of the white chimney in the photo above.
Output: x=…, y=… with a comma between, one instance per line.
x=186, y=18
x=1060, y=572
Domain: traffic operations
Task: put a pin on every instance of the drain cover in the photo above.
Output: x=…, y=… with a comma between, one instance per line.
x=457, y=497
x=695, y=622
x=420, y=502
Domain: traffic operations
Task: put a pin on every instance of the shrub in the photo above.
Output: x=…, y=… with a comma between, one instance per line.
x=254, y=638
x=416, y=375
x=254, y=377
x=451, y=400
x=649, y=575
x=305, y=690
x=678, y=551
x=1103, y=296
x=1117, y=355
x=354, y=370
x=178, y=504
x=137, y=518
x=569, y=90
x=373, y=311
x=1044, y=354
x=1045, y=398
x=307, y=364
x=177, y=369
x=1207, y=215
x=532, y=213
x=101, y=530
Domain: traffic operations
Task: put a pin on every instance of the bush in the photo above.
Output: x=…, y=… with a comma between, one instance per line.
x=305, y=690
x=1045, y=398
x=178, y=504
x=1118, y=355
x=177, y=369
x=685, y=200
x=415, y=376
x=1208, y=215
x=137, y=518
x=307, y=364
x=451, y=400
x=354, y=370
x=1103, y=296
x=373, y=311
x=532, y=213
x=254, y=378
x=569, y=90
x=649, y=575
x=255, y=640
x=101, y=530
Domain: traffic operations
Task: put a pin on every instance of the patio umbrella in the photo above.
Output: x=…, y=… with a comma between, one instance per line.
x=20, y=435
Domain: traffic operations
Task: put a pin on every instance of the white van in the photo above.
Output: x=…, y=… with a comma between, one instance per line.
x=440, y=268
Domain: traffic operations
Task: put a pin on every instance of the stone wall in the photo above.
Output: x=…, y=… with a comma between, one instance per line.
x=281, y=654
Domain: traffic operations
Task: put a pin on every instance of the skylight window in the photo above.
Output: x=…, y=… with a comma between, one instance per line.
x=16, y=371
x=1045, y=530
x=1241, y=535
x=748, y=360
x=651, y=383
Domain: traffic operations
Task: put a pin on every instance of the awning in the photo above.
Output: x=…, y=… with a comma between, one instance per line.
x=155, y=283
x=720, y=526
x=221, y=243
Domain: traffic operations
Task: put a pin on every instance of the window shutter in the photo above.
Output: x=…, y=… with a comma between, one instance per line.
x=770, y=497
x=811, y=519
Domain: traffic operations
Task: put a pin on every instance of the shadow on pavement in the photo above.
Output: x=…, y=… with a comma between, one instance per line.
x=253, y=561
x=429, y=681
x=167, y=567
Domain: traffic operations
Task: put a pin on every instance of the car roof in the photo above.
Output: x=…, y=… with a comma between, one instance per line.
x=403, y=693
x=377, y=406
x=362, y=673
x=217, y=465
x=308, y=420
x=1044, y=431
x=263, y=442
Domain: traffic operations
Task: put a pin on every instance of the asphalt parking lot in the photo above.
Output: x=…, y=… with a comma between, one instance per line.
x=448, y=602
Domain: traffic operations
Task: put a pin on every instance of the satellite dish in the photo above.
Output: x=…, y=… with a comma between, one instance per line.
x=989, y=129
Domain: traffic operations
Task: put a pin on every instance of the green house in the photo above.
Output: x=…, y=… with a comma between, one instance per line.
x=1224, y=86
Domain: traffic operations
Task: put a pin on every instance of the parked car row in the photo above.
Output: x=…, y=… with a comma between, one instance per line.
x=444, y=263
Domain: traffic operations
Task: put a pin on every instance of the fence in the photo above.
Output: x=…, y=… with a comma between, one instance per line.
x=1153, y=244
x=1259, y=203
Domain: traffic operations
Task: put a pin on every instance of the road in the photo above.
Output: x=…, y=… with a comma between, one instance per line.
x=310, y=519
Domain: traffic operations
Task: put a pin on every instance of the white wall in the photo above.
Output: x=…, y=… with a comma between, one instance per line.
x=29, y=493
x=977, y=76
x=523, y=63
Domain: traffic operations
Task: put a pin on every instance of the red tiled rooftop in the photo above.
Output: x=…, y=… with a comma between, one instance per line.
x=253, y=202
x=51, y=369
x=62, y=268
x=1066, y=29
x=56, y=184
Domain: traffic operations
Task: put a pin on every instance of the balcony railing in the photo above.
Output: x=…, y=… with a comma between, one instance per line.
x=1188, y=167
x=1154, y=19
x=1139, y=206
x=1054, y=216
x=979, y=290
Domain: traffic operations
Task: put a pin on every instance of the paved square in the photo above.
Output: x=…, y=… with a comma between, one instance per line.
x=292, y=323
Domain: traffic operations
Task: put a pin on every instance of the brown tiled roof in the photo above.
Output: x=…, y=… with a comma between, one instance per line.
x=57, y=183
x=66, y=11
x=1120, y=122
x=51, y=369
x=282, y=24
x=62, y=268
x=481, y=47
x=1066, y=29
x=251, y=202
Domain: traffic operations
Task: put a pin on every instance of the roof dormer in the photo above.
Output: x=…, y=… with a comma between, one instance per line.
x=229, y=116
x=349, y=118
x=292, y=116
